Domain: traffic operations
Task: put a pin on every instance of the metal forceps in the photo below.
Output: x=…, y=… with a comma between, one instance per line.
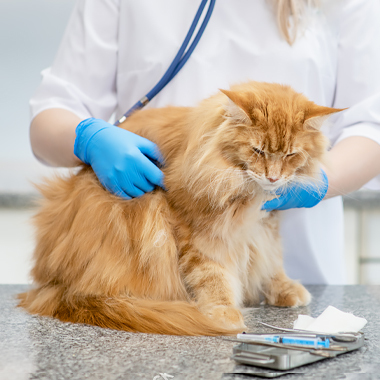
x=342, y=337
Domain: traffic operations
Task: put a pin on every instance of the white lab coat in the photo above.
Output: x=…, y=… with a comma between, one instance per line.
x=114, y=51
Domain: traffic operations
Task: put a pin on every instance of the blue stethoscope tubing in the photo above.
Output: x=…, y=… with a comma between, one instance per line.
x=179, y=60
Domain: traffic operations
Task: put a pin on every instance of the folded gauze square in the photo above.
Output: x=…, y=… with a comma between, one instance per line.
x=331, y=321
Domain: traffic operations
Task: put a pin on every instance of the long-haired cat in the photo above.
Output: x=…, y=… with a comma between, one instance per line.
x=182, y=261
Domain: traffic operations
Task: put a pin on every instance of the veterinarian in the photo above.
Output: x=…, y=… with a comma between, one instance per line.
x=114, y=51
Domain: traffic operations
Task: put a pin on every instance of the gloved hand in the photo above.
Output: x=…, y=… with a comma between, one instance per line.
x=120, y=159
x=299, y=195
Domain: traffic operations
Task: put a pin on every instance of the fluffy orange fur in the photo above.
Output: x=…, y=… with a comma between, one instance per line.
x=182, y=261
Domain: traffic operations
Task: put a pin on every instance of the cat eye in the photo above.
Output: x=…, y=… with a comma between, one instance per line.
x=291, y=154
x=258, y=151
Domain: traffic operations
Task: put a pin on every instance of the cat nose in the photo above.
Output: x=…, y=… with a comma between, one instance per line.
x=273, y=179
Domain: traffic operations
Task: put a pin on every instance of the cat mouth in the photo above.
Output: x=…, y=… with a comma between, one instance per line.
x=273, y=187
x=270, y=188
x=265, y=184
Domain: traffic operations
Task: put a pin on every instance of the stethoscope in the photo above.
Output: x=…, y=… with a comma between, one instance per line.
x=179, y=60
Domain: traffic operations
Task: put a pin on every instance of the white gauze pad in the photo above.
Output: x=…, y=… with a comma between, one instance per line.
x=331, y=321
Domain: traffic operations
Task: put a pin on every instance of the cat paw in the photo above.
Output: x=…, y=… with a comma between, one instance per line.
x=291, y=294
x=227, y=316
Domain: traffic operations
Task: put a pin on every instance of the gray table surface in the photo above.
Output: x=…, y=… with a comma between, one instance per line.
x=43, y=348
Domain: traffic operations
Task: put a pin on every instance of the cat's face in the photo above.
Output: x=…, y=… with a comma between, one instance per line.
x=273, y=135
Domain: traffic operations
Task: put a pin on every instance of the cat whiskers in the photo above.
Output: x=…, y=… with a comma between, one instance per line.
x=305, y=182
x=225, y=182
x=252, y=177
x=304, y=153
x=336, y=189
x=220, y=176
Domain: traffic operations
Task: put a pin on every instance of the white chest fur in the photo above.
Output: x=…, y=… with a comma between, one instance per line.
x=247, y=246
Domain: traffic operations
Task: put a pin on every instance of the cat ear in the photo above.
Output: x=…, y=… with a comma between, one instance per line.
x=316, y=115
x=236, y=108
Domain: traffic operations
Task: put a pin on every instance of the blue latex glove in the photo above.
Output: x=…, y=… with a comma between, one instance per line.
x=120, y=159
x=297, y=196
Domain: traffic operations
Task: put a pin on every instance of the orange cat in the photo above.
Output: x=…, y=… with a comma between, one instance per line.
x=182, y=261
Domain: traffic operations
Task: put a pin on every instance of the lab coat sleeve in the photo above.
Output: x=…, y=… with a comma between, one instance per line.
x=82, y=78
x=358, y=73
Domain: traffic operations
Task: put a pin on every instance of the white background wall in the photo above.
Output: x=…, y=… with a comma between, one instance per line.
x=30, y=32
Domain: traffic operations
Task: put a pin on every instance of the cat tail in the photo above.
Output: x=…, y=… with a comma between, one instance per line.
x=123, y=313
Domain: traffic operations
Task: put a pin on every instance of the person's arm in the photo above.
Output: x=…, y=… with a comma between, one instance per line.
x=81, y=82
x=352, y=163
x=119, y=158
x=52, y=136
x=355, y=156
x=75, y=98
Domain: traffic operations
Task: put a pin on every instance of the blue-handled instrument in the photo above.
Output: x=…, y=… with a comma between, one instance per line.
x=303, y=341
